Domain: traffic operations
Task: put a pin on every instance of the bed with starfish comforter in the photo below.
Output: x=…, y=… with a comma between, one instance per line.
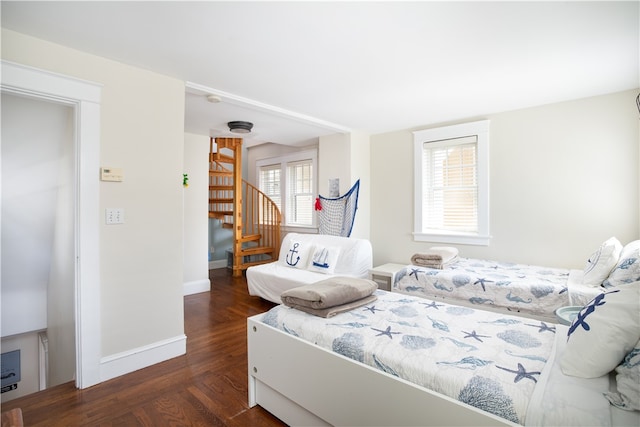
x=530, y=290
x=500, y=364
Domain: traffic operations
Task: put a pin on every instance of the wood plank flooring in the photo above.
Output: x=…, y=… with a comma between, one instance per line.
x=205, y=387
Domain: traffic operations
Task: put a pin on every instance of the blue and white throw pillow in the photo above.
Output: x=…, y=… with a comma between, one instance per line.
x=627, y=395
x=296, y=255
x=601, y=262
x=324, y=259
x=627, y=270
x=603, y=333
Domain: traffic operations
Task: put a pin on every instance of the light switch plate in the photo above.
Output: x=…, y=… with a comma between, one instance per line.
x=114, y=216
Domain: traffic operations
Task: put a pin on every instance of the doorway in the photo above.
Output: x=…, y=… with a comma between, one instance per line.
x=38, y=239
x=82, y=99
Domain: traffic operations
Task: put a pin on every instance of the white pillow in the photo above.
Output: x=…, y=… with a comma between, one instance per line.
x=627, y=269
x=324, y=259
x=628, y=382
x=296, y=255
x=602, y=334
x=601, y=262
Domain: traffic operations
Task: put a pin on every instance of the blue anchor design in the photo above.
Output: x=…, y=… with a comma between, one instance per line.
x=291, y=254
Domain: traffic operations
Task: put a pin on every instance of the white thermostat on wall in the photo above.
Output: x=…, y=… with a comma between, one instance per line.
x=111, y=174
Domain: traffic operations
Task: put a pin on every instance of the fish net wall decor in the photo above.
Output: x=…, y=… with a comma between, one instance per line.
x=336, y=215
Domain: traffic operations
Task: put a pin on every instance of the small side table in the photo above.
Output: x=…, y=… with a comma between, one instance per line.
x=384, y=275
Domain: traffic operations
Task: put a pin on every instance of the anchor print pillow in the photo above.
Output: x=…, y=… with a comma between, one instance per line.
x=296, y=255
x=324, y=259
x=627, y=269
x=603, y=333
x=601, y=262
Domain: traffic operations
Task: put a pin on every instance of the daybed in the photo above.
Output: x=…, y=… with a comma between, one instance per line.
x=532, y=291
x=404, y=360
x=309, y=258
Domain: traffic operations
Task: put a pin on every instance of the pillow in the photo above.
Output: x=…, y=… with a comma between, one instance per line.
x=603, y=332
x=601, y=262
x=296, y=255
x=628, y=382
x=627, y=269
x=324, y=259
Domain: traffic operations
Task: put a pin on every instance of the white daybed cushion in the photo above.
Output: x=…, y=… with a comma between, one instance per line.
x=603, y=333
x=270, y=280
x=601, y=262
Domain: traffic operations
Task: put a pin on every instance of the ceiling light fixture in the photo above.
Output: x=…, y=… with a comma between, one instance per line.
x=214, y=99
x=240, y=126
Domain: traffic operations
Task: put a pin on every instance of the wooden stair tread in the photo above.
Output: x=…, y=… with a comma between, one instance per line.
x=221, y=187
x=256, y=250
x=221, y=200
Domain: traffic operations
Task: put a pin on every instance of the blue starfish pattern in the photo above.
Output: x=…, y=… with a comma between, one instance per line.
x=372, y=309
x=543, y=327
x=482, y=282
x=521, y=373
x=432, y=304
x=386, y=332
x=414, y=272
x=474, y=335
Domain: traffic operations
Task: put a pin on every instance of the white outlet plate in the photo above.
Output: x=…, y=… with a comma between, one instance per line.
x=114, y=216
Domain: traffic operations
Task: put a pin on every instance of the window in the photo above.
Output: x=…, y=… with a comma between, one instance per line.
x=290, y=182
x=452, y=184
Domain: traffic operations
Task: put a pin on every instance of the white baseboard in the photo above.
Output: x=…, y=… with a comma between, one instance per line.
x=196, y=286
x=221, y=263
x=128, y=361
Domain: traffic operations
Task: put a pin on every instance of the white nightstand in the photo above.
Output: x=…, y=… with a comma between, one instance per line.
x=385, y=274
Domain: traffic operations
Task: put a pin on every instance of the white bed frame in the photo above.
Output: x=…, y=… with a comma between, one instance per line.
x=303, y=384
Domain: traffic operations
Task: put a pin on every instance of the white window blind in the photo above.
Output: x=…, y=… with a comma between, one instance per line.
x=300, y=198
x=270, y=183
x=451, y=184
x=450, y=187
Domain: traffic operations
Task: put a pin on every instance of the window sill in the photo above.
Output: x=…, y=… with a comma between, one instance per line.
x=460, y=239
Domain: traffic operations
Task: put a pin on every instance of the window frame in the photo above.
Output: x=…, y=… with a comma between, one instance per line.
x=479, y=129
x=284, y=161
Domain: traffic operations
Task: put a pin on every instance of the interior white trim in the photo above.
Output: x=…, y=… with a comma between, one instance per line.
x=261, y=106
x=131, y=360
x=196, y=286
x=84, y=97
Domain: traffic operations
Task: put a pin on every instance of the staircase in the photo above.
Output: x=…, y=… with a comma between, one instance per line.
x=240, y=206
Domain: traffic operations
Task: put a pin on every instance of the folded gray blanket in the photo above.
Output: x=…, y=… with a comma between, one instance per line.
x=329, y=293
x=337, y=309
x=436, y=257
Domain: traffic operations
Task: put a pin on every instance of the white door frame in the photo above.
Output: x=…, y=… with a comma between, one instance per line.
x=84, y=98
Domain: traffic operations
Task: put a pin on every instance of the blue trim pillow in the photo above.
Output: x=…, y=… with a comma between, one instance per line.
x=603, y=333
x=627, y=270
x=296, y=255
x=627, y=395
x=324, y=259
x=601, y=262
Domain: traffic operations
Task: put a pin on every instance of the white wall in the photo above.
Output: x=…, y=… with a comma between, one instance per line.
x=346, y=157
x=564, y=177
x=142, y=131
x=195, y=199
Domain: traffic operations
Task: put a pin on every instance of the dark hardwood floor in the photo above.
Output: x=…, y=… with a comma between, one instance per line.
x=205, y=387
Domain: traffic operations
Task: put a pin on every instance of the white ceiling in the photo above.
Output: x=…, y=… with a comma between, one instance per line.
x=298, y=70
